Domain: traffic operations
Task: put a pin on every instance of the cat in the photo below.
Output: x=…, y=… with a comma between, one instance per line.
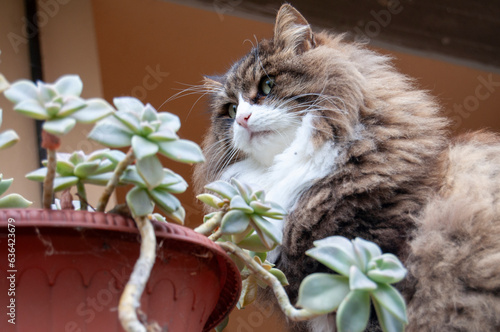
x=349, y=146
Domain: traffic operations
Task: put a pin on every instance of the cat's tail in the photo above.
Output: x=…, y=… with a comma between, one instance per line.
x=455, y=255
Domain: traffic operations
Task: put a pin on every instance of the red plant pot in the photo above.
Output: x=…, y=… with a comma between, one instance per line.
x=65, y=271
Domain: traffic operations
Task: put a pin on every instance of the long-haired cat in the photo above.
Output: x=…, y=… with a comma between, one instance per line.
x=350, y=147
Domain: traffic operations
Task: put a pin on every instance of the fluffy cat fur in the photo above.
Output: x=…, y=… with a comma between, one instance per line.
x=351, y=147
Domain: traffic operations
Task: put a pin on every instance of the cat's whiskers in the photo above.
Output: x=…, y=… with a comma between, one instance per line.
x=219, y=145
x=224, y=152
x=201, y=90
x=190, y=90
x=306, y=106
x=225, y=161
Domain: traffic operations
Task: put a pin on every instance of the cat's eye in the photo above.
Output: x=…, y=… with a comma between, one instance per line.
x=266, y=85
x=231, y=109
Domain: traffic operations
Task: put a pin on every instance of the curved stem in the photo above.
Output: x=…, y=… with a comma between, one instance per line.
x=113, y=182
x=211, y=224
x=51, y=143
x=215, y=236
x=82, y=194
x=259, y=272
x=48, y=182
x=131, y=296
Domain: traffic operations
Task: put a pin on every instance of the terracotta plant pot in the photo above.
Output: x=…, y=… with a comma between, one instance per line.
x=69, y=268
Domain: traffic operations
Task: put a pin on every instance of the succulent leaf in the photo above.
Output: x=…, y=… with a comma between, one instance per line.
x=110, y=135
x=14, y=201
x=211, y=200
x=64, y=182
x=129, y=104
x=269, y=229
x=95, y=110
x=86, y=169
x=151, y=170
x=165, y=200
x=32, y=109
x=280, y=276
x=139, y=202
x=358, y=281
x=143, y=147
x=354, y=312
x=178, y=216
x=254, y=242
x=389, y=298
x=71, y=106
x=182, y=150
x=222, y=188
x=20, y=91
x=322, y=292
x=169, y=122
x=336, y=258
x=5, y=184
x=234, y=222
x=8, y=138
x=129, y=120
x=59, y=127
x=386, y=268
x=388, y=321
x=69, y=85
x=238, y=203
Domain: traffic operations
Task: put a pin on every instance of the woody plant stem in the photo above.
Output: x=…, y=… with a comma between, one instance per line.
x=266, y=277
x=51, y=143
x=211, y=224
x=131, y=296
x=115, y=179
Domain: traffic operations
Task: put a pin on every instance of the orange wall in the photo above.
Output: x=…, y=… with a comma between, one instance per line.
x=21, y=158
x=182, y=44
x=137, y=39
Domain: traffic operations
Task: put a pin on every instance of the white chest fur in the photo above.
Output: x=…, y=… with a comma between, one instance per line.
x=292, y=171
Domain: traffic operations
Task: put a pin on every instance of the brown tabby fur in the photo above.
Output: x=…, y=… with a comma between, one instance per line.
x=399, y=181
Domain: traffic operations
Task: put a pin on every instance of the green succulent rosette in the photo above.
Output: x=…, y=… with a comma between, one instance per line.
x=11, y=200
x=364, y=276
x=146, y=130
x=252, y=222
x=77, y=167
x=8, y=137
x=154, y=188
x=59, y=104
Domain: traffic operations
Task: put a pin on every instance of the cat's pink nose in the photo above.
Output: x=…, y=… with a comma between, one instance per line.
x=242, y=119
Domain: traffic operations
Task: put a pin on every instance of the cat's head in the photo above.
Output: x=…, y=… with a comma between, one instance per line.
x=341, y=88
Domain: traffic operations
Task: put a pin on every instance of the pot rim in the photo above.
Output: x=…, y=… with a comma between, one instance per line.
x=231, y=289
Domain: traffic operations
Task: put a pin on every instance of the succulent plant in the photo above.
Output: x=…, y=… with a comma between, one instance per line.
x=59, y=104
x=72, y=168
x=247, y=218
x=251, y=283
x=146, y=130
x=244, y=220
x=4, y=84
x=8, y=137
x=153, y=188
x=11, y=200
x=148, y=133
x=77, y=169
x=364, y=274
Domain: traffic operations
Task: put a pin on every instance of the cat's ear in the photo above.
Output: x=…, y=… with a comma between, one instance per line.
x=213, y=83
x=292, y=32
